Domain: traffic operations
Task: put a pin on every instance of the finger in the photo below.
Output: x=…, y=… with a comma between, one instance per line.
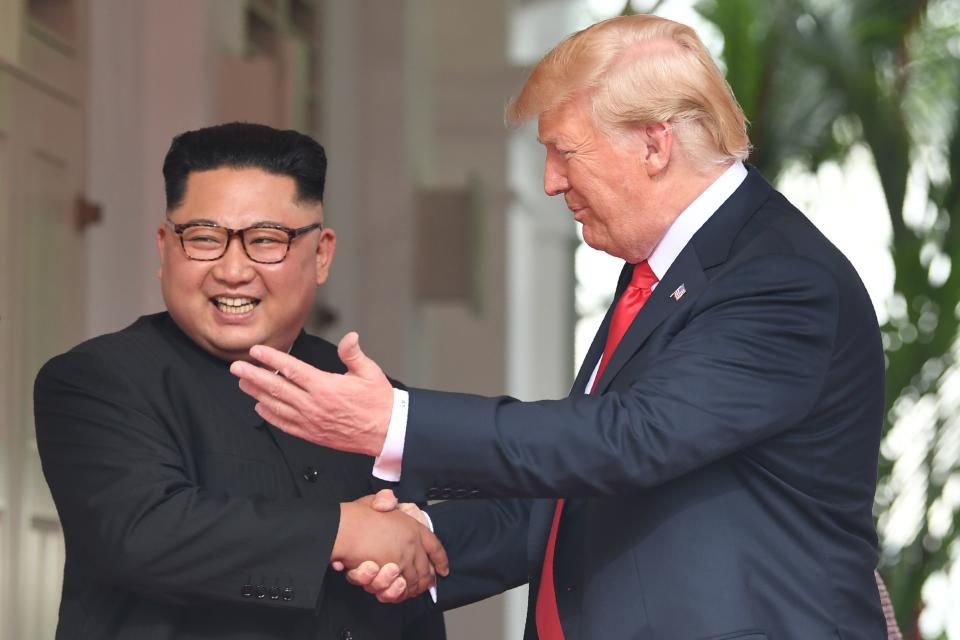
x=411, y=573
x=435, y=552
x=282, y=423
x=424, y=576
x=336, y=565
x=384, y=500
x=395, y=593
x=265, y=385
x=356, y=360
x=363, y=574
x=279, y=408
x=385, y=578
x=296, y=371
x=424, y=571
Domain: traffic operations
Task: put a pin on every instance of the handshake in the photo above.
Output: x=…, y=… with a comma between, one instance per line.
x=387, y=548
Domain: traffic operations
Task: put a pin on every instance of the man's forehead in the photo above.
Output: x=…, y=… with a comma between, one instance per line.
x=244, y=196
x=547, y=127
x=556, y=124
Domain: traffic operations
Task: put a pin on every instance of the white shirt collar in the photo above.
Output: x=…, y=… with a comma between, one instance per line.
x=694, y=217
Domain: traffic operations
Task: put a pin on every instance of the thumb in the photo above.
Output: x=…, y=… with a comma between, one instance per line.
x=384, y=500
x=355, y=359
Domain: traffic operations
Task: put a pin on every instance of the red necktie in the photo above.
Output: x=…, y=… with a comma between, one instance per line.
x=636, y=293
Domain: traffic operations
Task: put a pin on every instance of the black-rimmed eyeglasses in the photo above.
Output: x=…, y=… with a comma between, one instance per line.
x=265, y=242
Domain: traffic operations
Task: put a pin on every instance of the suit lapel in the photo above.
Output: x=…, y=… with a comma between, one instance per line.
x=685, y=279
x=680, y=285
x=589, y=362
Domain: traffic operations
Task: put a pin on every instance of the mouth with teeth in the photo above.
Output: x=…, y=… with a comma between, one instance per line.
x=234, y=305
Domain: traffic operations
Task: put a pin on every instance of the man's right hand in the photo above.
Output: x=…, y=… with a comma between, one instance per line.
x=388, y=552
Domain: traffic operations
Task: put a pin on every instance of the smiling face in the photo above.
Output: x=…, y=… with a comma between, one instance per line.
x=612, y=188
x=228, y=305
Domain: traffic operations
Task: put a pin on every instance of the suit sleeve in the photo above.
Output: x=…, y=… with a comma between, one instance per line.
x=130, y=508
x=486, y=543
x=747, y=365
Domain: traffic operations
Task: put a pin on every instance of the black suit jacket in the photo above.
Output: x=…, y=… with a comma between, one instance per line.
x=185, y=514
x=721, y=478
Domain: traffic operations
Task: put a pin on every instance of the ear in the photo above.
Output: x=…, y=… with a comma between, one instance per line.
x=658, y=145
x=162, y=232
x=326, y=247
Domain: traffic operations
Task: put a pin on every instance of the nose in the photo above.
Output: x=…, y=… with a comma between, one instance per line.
x=554, y=176
x=234, y=267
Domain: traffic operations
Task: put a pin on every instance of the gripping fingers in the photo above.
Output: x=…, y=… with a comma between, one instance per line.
x=424, y=574
x=385, y=578
x=395, y=593
x=364, y=574
x=411, y=577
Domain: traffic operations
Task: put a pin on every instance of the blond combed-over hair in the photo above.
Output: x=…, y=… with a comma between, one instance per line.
x=640, y=70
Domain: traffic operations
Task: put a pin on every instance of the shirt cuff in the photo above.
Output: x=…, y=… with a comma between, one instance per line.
x=388, y=463
x=433, y=589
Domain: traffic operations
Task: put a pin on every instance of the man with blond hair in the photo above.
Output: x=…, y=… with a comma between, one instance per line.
x=712, y=473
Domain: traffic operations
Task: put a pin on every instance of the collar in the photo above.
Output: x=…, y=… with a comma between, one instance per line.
x=694, y=217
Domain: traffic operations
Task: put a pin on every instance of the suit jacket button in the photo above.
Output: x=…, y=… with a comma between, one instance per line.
x=274, y=593
x=288, y=594
x=346, y=634
x=246, y=590
x=460, y=494
x=474, y=493
x=260, y=591
x=432, y=493
x=445, y=493
x=310, y=474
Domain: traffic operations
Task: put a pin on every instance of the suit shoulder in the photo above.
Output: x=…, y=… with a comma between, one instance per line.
x=131, y=344
x=779, y=227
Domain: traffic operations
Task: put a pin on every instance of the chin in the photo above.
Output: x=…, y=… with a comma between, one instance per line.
x=597, y=244
x=231, y=352
x=233, y=347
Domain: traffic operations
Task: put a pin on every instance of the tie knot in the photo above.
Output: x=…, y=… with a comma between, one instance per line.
x=643, y=276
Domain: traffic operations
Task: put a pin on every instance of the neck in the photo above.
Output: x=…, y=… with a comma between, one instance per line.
x=682, y=187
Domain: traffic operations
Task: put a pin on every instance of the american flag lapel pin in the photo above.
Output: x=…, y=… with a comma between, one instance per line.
x=678, y=293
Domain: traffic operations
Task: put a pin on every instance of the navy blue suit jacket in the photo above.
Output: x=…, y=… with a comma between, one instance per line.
x=721, y=478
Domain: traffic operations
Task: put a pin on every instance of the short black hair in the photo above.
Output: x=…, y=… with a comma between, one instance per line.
x=243, y=145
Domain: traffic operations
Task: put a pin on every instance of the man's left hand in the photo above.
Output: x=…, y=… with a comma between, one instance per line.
x=349, y=412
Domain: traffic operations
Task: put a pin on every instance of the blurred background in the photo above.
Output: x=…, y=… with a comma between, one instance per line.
x=454, y=267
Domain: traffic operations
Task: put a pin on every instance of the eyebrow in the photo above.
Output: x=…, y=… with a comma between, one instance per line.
x=214, y=222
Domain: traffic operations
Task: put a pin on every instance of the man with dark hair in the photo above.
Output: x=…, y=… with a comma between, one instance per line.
x=185, y=514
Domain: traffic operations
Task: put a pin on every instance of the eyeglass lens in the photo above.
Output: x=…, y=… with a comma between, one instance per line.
x=261, y=244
